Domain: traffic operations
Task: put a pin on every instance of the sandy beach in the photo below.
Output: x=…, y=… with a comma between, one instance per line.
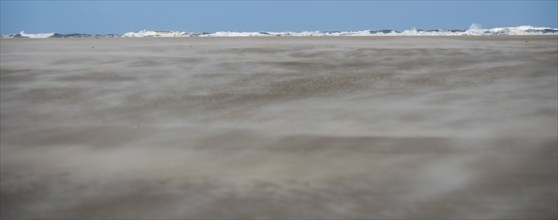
x=279, y=127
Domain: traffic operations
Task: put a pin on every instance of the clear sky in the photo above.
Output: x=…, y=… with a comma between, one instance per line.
x=102, y=17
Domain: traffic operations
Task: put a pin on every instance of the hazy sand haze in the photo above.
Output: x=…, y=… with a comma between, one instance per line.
x=318, y=127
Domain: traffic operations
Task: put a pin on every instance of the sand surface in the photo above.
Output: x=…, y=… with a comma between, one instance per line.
x=343, y=127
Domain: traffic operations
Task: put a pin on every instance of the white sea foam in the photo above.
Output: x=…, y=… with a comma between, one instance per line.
x=236, y=34
x=473, y=30
x=39, y=35
x=146, y=33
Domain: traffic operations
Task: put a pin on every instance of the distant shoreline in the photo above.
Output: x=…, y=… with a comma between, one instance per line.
x=484, y=37
x=474, y=30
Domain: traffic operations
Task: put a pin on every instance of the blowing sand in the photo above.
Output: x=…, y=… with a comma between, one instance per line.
x=343, y=127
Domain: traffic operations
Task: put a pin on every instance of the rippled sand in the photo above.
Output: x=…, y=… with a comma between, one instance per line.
x=343, y=127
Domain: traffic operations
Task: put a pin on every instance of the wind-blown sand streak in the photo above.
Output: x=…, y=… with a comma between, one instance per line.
x=318, y=127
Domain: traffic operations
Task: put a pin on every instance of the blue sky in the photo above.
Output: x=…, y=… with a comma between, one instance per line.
x=118, y=17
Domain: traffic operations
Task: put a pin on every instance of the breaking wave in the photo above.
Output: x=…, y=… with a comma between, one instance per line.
x=39, y=35
x=473, y=30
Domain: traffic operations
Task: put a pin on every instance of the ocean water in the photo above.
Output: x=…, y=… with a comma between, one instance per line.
x=473, y=30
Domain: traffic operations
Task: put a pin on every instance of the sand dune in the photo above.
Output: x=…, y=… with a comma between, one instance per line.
x=317, y=127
